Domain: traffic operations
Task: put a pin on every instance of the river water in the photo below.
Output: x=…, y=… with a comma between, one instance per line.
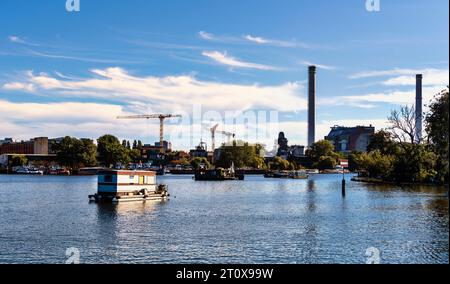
x=254, y=221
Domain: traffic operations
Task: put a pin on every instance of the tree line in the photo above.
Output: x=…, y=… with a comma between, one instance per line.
x=395, y=154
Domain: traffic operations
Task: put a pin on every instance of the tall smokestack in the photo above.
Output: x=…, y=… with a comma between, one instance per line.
x=311, y=105
x=419, y=78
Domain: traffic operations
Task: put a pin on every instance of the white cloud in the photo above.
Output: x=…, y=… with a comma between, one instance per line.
x=320, y=66
x=431, y=75
x=225, y=59
x=19, y=86
x=275, y=42
x=259, y=40
x=205, y=35
x=390, y=97
x=166, y=94
x=253, y=39
x=16, y=39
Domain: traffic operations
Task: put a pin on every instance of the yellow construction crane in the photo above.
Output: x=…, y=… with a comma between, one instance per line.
x=161, y=118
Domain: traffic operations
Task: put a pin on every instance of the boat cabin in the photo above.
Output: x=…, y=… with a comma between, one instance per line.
x=121, y=181
x=127, y=186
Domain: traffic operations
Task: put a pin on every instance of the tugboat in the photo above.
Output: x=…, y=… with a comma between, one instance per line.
x=128, y=186
x=218, y=174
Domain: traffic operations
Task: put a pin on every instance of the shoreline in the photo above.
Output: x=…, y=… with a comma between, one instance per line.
x=383, y=182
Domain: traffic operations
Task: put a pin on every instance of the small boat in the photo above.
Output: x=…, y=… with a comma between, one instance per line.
x=287, y=175
x=298, y=175
x=29, y=171
x=128, y=186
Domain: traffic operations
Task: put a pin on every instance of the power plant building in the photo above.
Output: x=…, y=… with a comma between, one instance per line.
x=349, y=139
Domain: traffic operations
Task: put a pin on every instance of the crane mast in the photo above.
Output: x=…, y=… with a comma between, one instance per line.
x=161, y=117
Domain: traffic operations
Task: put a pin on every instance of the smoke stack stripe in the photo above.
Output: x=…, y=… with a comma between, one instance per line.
x=311, y=105
x=419, y=78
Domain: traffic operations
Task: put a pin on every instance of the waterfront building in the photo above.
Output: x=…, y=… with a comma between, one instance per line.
x=35, y=146
x=348, y=139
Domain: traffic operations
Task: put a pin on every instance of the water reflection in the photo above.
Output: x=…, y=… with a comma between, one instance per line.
x=254, y=221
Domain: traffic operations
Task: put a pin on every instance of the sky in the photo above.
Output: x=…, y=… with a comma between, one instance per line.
x=242, y=64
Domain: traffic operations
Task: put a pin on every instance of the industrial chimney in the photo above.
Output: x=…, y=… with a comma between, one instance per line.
x=311, y=105
x=419, y=78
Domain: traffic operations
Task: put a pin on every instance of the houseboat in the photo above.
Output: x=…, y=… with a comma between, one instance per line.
x=127, y=186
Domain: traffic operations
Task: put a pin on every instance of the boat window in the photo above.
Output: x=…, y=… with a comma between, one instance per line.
x=108, y=178
x=131, y=177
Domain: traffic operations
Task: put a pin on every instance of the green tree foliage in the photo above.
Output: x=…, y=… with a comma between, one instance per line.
x=322, y=155
x=197, y=162
x=111, y=151
x=279, y=164
x=18, y=161
x=382, y=141
x=326, y=163
x=135, y=155
x=437, y=129
x=415, y=163
x=241, y=154
x=75, y=153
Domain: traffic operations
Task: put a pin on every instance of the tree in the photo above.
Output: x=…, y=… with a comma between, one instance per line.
x=437, y=125
x=403, y=124
x=382, y=141
x=135, y=155
x=134, y=144
x=415, y=163
x=319, y=149
x=18, y=161
x=74, y=153
x=242, y=154
x=279, y=164
x=325, y=163
x=111, y=152
x=322, y=155
x=139, y=145
x=197, y=162
x=128, y=145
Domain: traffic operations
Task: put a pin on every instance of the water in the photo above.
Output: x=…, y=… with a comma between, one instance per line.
x=255, y=221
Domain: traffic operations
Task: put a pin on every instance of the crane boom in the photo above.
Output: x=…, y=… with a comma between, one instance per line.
x=161, y=118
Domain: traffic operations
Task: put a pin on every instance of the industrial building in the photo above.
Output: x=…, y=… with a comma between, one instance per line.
x=348, y=139
x=36, y=146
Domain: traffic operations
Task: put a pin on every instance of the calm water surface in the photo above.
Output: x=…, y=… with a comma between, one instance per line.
x=255, y=221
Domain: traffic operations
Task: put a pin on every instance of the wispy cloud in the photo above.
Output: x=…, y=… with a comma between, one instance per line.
x=393, y=72
x=19, y=86
x=83, y=59
x=378, y=99
x=20, y=40
x=250, y=39
x=205, y=35
x=320, y=66
x=275, y=42
x=225, y=59
x=259, y=40
x=171, y=93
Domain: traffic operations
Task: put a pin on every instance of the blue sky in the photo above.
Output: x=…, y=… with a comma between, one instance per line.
x=67, y=73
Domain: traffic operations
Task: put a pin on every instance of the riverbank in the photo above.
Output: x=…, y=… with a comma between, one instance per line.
x=384, y=182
